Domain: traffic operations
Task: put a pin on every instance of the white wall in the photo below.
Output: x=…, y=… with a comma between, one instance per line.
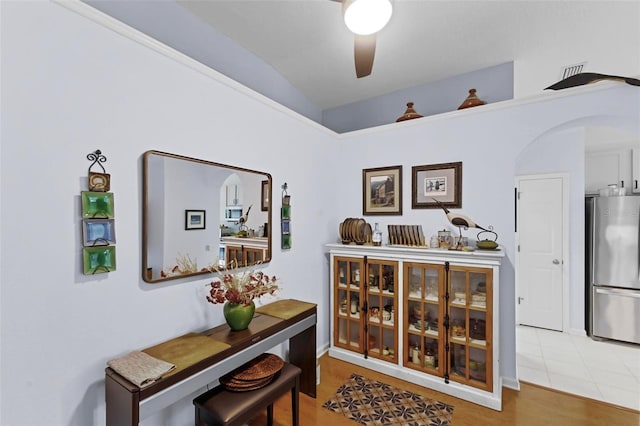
x=562, y=151
x=493, y=84
x=219, y=51
x=71, y=86
x=190, y=186
x=492, y=142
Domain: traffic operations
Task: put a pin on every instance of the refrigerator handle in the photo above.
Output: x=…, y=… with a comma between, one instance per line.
x=624, y=293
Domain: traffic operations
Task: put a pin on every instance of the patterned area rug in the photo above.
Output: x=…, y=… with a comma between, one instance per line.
x=370, y=403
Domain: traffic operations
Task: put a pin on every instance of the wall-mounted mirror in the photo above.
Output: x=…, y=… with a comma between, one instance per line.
x=199, y=215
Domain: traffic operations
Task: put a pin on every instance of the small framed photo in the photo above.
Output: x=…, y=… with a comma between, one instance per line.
x=382, y=191
x=194, y=219
x=441, y=182
x=97, y=204
x=265, y=195
x=98, y=260
x=286, y=227
x=98, y=232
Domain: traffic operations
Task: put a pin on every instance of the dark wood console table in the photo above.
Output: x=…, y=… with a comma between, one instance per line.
x=273, y=324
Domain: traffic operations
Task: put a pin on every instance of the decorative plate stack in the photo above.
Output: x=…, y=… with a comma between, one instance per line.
x=253, y=375
x=406, y=235
x=355, y=231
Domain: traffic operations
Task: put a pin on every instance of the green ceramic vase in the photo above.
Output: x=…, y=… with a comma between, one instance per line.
x=238, y=316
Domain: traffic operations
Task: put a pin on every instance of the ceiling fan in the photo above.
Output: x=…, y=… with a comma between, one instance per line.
x=365, y=18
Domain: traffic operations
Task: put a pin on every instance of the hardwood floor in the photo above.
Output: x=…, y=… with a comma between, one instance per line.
x=532, y=405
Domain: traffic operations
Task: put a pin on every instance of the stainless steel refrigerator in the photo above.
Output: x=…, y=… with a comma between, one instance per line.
x=613, y=267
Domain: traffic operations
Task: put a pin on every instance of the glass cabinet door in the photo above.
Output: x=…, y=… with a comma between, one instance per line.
x=382, y=309
x=234, y=256
x=470, y=324
x=348, y=300
x=424, y=317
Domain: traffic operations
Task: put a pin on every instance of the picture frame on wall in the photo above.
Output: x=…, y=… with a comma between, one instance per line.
x=194, y=219
x=98, y=232
x=265, y=196
x=382, y=191
x=442, y=182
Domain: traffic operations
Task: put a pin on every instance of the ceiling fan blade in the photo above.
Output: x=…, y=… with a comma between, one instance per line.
x=364, y=52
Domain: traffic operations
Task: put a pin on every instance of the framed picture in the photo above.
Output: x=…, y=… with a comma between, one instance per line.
x=194, y=219
x=98, y=232
x=382, y=191
x=442, y=182
x=286, y=227
x=265, y=195
x=97, y=204
x=98, y=260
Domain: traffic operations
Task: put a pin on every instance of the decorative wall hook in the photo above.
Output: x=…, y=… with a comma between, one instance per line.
x=98, y=232
x=97, y=158
x=285, y=217
x=99, y=182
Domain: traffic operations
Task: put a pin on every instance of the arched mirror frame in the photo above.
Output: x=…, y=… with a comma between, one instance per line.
x=147, y=275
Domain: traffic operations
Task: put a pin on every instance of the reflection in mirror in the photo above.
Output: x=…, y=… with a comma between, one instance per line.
x=199, y=216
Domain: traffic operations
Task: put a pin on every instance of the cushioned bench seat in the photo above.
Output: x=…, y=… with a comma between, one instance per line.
x=220, y=406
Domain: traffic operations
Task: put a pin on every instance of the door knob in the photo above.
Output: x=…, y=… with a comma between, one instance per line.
x=556, y=262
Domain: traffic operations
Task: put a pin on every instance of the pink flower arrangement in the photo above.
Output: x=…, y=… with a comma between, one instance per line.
x=241, y=287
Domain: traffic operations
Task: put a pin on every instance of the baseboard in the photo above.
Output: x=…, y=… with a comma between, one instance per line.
x=577, y=332
x=508, y=382
x=319, y=352
x=322, y=350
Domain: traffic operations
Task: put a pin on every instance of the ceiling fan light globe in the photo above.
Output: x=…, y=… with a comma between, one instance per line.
x=365, y=17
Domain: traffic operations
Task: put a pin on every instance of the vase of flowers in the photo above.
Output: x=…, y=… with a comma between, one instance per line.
x=238, y=290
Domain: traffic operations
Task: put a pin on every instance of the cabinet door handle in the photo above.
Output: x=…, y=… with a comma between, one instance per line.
x=621, y=184
x=636, y=183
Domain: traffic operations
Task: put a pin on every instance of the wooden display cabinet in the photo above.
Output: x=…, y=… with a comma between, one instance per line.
x=348, y=292
x=244, y=251
x=444, y=334
x=252, y=255
x=382, y=309
x=366, y=308
x=424, y=308
x=244, y=256
x=470, y=325
x=234, y=256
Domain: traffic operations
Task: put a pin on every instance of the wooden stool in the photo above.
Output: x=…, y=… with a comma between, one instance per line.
x=221, y=407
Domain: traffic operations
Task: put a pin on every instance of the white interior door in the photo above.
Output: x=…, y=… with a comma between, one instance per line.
x=540, y=239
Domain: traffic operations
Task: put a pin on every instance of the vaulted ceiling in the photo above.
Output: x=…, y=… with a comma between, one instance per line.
x=307, y=42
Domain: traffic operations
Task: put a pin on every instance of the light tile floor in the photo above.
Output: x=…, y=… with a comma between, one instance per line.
x=606, y=371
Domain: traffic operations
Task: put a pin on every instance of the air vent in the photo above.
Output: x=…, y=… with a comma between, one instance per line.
x=570, y=70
